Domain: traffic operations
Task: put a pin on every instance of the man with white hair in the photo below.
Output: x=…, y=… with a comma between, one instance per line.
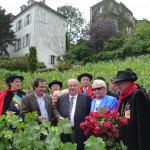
x=74, y=106
x=101, y=100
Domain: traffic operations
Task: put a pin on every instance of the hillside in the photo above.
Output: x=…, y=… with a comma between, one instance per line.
x=140, y=65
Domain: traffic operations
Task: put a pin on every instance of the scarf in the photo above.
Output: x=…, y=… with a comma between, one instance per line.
x=2, y=97
x=89, y=91
x=127, y=92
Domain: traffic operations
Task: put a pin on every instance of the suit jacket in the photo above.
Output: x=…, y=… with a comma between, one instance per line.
x=30, y=104
x=109, y=101
x=82, y=109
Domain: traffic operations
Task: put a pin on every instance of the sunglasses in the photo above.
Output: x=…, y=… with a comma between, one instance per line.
x=98, y=88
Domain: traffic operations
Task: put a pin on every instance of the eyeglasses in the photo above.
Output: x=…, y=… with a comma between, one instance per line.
x=98, y=88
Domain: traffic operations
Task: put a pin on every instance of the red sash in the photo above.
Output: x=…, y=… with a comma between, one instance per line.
x=2, y=97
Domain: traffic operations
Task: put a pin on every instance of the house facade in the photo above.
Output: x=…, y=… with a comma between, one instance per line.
x=39, y=25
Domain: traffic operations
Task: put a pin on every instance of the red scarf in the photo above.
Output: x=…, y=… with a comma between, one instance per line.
x=127, y=92
x=2, y=96
x=89, y=92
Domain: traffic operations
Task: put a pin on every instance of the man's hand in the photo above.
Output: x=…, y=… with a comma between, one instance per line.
x=42, y=118
x=60, y=118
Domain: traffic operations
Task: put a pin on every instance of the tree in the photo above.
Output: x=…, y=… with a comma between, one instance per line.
x=74, y=22
x=99, y=31
x=6, y=34
x=32, y=59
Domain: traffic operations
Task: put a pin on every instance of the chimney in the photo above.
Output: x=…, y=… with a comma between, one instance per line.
x=43, y=1
x=23, y=7
x=30, y=2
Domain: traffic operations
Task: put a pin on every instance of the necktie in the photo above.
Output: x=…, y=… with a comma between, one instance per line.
x=70, y=106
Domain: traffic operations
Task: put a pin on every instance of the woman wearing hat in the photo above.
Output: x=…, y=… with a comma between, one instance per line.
x=10, y=98
x=85, y=88
x=133, y=104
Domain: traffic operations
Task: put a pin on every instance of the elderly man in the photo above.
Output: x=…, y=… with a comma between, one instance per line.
x=38, y=101
x=85, y=88
x=55, y=85
x=74, y=106
x=133, y=104
x=101, y=99
x=10, y=99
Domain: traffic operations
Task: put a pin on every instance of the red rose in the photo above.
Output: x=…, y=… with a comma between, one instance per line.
x=124, y=120
x=114, y=113
x=97, y=131
x=110, y=134
x=117, y=135
x=107, y=124
x=113, y=129
x=96, y=114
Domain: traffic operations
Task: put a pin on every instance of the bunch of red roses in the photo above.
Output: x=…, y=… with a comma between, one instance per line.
x=104, y=124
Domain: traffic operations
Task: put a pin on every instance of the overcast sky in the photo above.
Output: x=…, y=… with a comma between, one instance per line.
x=139, y=8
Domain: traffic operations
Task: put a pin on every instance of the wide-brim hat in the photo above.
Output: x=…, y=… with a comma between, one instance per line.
x=124, y=76
x=13, y=77
x=55, y=82
x=85, y=75
x=130, y=70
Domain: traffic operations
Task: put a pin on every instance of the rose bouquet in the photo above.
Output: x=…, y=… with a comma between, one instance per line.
x=104, y=124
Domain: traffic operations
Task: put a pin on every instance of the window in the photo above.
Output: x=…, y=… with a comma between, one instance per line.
x=18, y=44
x=52, y=59
x=27, y=19
x=26, y=40
x=43, y=17
x=19, y=25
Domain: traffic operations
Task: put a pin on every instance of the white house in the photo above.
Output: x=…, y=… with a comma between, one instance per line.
x=39, y=25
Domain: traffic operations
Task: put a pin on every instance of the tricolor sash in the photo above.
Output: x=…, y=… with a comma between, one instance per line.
x=17, y=99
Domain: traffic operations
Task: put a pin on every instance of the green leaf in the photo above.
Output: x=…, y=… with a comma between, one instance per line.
x=31, y=116
x=65, y=126
x=68, y=146
x=94, y=143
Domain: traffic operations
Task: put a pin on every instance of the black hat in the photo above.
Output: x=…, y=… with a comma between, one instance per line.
x=55, y=82
x=130, y=70
x=100, y=78
x=124, y=76
x=13, y=77
x=85, y=75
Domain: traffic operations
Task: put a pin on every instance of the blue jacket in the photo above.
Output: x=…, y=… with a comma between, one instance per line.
x=109, y=101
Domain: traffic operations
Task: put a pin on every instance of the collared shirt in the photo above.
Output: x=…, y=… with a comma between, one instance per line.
x=97, y=104
x=73, y=108
x=42, y=106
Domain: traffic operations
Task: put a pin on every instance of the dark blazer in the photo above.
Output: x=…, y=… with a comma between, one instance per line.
x=82, y=109
x=30, y=104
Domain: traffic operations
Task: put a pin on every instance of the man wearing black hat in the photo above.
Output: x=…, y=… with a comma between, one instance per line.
x=55, y=85
x=133, y=104
x=10, y=99
x=86, y=88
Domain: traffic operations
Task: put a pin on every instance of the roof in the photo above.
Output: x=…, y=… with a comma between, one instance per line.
x=42, y=5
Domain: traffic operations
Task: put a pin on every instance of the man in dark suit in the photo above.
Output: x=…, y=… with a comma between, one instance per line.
x=74, y=106
x=38, y=101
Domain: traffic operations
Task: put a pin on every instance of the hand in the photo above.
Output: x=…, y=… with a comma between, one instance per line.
x=60, y=118
x=42, y=118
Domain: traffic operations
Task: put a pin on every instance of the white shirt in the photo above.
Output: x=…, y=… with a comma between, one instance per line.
x=73, y=108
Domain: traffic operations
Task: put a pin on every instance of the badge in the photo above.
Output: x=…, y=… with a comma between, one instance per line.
x=127, y=114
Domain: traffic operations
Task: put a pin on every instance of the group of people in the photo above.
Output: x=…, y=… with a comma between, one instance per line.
x=76, y=102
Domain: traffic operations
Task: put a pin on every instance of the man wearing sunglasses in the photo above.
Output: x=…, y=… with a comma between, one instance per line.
x=101, y=100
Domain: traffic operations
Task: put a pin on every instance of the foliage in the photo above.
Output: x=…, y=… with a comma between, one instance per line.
x=94, y=143
x=32, y=59
x=138, y=42
x=104, y=124
x=113, y=43
x=79, y=52
x=17, y=63
x=28, y=135
x=6, y=34
x=107, y=69
x=99, y=31
x=74, y=22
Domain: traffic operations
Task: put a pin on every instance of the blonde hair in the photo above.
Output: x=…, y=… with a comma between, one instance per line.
x=57, y=93
x=100, y=83
x=64, y=91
